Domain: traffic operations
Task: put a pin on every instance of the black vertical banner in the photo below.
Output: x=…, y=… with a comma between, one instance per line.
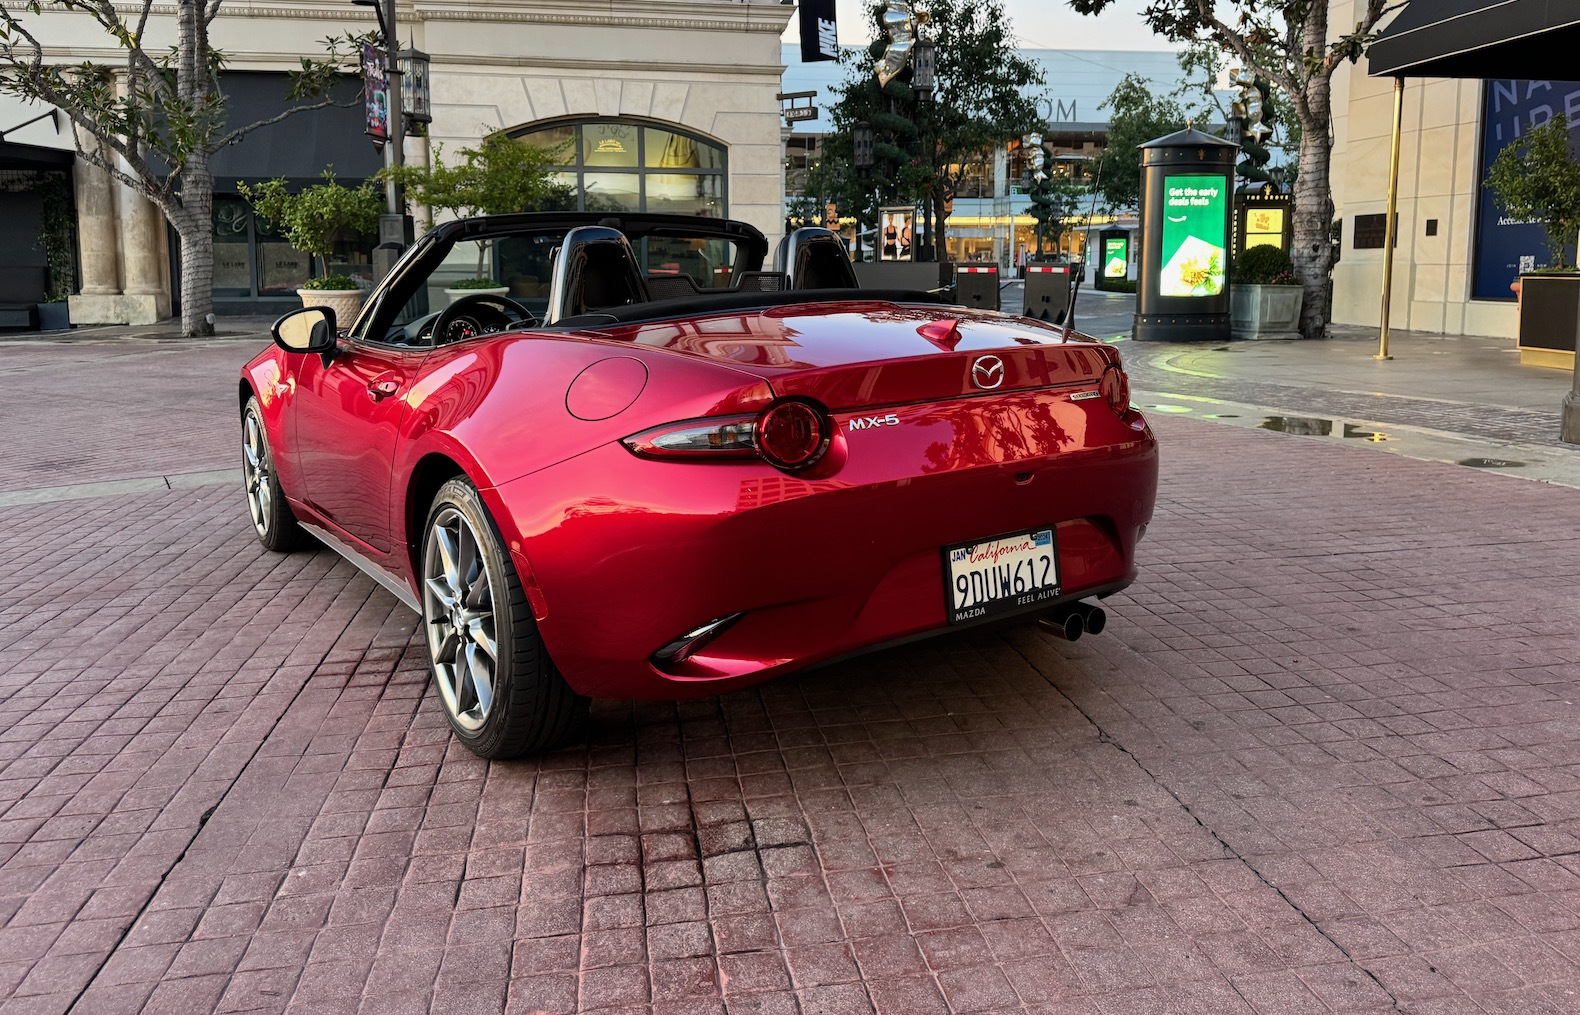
x=819, y=33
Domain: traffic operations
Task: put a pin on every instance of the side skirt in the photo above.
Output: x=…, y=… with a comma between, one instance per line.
x=366, y=566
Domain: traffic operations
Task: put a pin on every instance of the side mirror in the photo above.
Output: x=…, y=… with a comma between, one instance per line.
x=311, y=329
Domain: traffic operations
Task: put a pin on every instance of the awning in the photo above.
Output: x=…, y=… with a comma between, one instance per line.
x=1479, y=39
x=15, y=156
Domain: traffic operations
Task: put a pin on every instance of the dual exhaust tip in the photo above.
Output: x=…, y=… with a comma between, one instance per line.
x=1072, y=620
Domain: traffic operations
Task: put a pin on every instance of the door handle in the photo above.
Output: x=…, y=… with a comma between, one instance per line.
x=382, y=389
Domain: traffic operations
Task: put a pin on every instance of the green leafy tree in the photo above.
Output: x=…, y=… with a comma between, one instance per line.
x=1287, y=42
x=1537, y=178
x=922, y=149
x=1138, y=114
x=154, y=119
x=314, y=219
x=1054, y=203
x=501, y=175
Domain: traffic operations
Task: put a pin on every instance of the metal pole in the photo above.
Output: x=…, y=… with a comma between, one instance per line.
x=1392, y=232
x=394, y=153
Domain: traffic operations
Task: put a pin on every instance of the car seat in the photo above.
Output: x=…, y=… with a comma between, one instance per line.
x=815, y=258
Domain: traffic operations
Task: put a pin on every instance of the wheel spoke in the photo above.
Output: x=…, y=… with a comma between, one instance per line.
x=480, y=672
x=468, y=561
x=444, y=641
x=445, y=540
x=481, y=631
x=442, y=593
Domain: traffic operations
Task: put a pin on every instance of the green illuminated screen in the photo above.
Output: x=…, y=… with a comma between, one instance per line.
x=1194, y=235
x=1116, y=257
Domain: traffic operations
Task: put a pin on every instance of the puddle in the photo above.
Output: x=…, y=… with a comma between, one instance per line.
x=1176, y=409
x=1220, y=415
x=1305, y=426
x=1357, y=433
x=1490, y=463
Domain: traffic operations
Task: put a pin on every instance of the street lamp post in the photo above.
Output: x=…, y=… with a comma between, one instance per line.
x=395, y=228
x=924, y=78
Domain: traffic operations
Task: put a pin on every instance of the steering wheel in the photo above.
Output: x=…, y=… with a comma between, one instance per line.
x=461, y=319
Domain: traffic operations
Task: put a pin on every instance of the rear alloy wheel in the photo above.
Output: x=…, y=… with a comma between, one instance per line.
x=501, y=692
x=272, y=518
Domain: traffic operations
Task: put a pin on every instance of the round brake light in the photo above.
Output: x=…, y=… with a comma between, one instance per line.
x=1115, y=387
x=793, y=435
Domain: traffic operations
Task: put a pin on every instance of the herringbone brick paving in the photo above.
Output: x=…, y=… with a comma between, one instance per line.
x=1324, y=759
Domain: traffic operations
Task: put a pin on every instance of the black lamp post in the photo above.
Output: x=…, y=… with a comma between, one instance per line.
x=395, y=230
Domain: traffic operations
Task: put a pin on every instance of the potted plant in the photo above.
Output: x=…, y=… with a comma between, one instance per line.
x=482, y=285
x=1265, y=296
x=60, y=241
x=311, y=221
x=1537, y=179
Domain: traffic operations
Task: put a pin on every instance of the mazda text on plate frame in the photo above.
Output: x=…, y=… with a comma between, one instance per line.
x=652, y=468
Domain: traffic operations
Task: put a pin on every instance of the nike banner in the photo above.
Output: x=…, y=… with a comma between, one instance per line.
x=819, y=33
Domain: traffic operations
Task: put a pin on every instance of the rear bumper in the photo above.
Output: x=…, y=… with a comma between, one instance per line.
x=819, y=568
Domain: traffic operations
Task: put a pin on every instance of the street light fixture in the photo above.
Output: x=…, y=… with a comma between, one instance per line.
x=924, y=69
x=394, y=224
x=861, y=139
x=416, y=96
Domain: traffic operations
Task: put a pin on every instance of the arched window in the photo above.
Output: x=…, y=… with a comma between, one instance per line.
x=632, y=165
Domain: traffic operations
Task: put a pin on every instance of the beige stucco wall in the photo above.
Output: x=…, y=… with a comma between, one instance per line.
x=1437, y=180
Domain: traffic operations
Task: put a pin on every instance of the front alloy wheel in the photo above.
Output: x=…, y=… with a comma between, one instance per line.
x=272, y=518
x=458, y=602
x=502, y=694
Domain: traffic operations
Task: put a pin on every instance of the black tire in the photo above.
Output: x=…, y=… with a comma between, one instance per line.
x=272, y=518
x=531, y=708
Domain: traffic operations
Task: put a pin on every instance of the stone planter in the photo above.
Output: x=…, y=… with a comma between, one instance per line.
x=1549, y=311
x=1264, y=311
x=346, y=303
x=456, y=294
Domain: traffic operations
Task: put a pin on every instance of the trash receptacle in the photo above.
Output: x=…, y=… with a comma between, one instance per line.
x=1048, y=292
x=977, y=286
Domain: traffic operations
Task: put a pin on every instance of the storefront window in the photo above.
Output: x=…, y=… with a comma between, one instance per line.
x=232, y=247
x=621, y=165
x=252, y=259
x=282, y=269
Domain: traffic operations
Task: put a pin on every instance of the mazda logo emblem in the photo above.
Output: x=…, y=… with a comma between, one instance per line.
x=988, y=372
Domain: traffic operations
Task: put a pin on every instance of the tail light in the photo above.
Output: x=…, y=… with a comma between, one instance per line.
x=793, y=434
x=788, y=435
x=711, y=440
x=1115, y=388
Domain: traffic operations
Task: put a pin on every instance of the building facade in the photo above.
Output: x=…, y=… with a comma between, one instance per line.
x=670, y=104
x=991, y=221
x=1456, y=253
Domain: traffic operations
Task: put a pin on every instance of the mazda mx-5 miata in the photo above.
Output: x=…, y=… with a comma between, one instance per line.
x=642, y=466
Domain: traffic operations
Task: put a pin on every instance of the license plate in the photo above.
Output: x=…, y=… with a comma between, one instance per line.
x=999, y=576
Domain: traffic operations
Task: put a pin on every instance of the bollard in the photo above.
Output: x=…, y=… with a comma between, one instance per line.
x=977, y=286
x=1048, y=292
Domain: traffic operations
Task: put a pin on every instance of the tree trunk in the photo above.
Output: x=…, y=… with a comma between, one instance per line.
x=1312, y=247
x=195, y=226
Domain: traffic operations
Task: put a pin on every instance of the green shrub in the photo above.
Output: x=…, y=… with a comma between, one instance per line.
x=312, y=219
x=1265, y=264
x=1120, y=285
x=475, y=283
x=331, y=283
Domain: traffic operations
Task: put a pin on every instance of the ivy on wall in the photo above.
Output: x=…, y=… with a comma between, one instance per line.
x=58, y=237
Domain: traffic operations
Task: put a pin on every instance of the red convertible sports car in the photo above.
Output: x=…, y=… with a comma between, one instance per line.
x=643, y=466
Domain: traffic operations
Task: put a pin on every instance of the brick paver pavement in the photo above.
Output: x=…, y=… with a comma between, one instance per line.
x=1324, y=759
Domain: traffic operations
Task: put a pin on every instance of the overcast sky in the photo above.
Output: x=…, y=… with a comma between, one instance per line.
x=1039, y=24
